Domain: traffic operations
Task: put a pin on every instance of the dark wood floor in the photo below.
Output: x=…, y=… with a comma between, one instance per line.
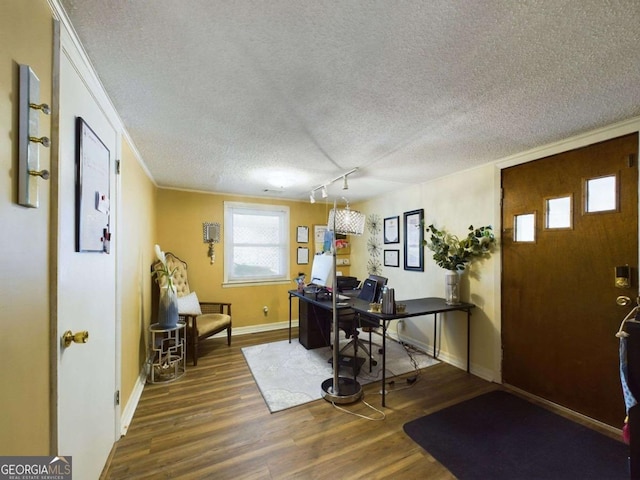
x=213, y=423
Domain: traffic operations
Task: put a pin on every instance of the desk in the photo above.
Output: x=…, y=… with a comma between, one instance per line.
x=415, y=308
x=314, y=322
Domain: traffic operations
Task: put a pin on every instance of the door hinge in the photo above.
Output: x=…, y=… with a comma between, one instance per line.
x=118, y=167
x=117, y=397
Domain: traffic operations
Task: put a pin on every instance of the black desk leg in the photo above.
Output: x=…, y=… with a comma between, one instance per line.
x=435, y=335
x=468, y=339
x=384, y=360
x=289, y=318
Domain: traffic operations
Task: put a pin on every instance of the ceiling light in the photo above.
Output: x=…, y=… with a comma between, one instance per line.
x=345, y=185
x=325, y=194
x=312, y=196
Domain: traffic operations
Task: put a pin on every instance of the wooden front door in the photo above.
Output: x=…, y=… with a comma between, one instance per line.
x=559, y=310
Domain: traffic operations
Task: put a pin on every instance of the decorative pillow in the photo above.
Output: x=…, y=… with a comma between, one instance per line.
x=189, y=305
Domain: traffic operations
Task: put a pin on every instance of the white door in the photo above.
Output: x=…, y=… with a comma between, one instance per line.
x=86, y=291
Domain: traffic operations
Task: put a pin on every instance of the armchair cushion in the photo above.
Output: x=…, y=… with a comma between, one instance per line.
x=212, y=322
x=189, y=305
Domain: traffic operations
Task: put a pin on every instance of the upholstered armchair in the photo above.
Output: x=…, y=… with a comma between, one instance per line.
x=203, y=319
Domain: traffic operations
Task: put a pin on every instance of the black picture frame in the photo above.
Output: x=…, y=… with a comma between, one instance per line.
x=303, y=256
x=414, y=240
x=391, y=230
x=302, y=234
x=93, y=173
x=392, y=258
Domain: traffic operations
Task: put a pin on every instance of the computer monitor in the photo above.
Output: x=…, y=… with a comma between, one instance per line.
x=322, y=270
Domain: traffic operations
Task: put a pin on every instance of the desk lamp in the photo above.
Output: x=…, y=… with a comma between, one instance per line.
x=341, y=389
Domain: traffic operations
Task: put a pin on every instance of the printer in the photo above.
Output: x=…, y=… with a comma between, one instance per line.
x=347, y=283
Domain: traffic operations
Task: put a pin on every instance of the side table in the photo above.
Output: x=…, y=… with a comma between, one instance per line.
x=167, y=353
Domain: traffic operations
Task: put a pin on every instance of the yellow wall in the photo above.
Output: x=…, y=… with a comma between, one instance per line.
x=136, y=251
x=25, y=38
x=180, y=215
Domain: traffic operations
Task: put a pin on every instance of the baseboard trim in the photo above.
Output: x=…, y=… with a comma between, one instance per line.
x=566, y=411
x=265, y=327
x=132, y=403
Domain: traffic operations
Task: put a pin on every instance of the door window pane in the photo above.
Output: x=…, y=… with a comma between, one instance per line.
x=525, y=227
x=601, y=194
x=558, y=212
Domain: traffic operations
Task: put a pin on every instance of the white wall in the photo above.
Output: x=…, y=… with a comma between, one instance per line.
x=453, y=202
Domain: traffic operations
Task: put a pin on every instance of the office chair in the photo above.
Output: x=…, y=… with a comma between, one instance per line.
x=349, y=323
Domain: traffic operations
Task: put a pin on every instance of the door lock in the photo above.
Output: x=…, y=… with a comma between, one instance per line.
x=69, y=337
x=623, y=276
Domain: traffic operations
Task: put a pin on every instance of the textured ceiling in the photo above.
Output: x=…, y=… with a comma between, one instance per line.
x=240, y=96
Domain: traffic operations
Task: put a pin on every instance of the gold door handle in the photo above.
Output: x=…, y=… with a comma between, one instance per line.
x=623, y=301
x=69, y=337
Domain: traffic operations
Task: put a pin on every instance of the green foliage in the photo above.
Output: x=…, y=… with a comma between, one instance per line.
x=452, y=253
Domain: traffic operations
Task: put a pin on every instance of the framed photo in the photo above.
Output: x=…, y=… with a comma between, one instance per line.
x=302, y=235
x=303, y=255
x=392, y=258
x=392, y=230
x=413, y=239
x=93, y=174
x=319, y=232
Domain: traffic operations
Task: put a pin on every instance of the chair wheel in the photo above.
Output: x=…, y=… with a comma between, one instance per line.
x=374, y=363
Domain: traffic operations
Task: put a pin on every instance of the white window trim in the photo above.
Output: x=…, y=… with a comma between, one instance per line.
x=228, y=239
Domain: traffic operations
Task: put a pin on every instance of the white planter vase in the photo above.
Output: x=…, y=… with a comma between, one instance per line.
x=452, y=287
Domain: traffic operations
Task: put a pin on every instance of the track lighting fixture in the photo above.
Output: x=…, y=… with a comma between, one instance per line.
x=323, y=187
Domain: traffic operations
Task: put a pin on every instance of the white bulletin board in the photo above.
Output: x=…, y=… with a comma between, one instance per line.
x=92, y=191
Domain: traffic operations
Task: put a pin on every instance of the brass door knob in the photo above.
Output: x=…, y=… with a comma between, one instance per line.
x=69, y=337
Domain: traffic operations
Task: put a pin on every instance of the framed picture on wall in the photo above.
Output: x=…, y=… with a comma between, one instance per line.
x=318, y=238
x=392, y=230
x=302, y=234
x=392, y=258
x=413, y=239
x=303, y=255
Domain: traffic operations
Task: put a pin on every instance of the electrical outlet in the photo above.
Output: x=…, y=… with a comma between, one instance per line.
x=265, y=309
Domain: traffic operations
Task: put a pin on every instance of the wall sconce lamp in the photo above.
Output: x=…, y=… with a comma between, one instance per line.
x=211, y=235
x=28, y=149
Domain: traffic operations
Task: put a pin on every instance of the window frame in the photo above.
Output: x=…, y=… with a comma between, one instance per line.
x=515, y=240
x=546, y=211
x=585, y=195
x=281, y=211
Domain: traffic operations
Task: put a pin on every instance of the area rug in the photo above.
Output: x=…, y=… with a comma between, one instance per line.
x=288, y=374
x=501, y=436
